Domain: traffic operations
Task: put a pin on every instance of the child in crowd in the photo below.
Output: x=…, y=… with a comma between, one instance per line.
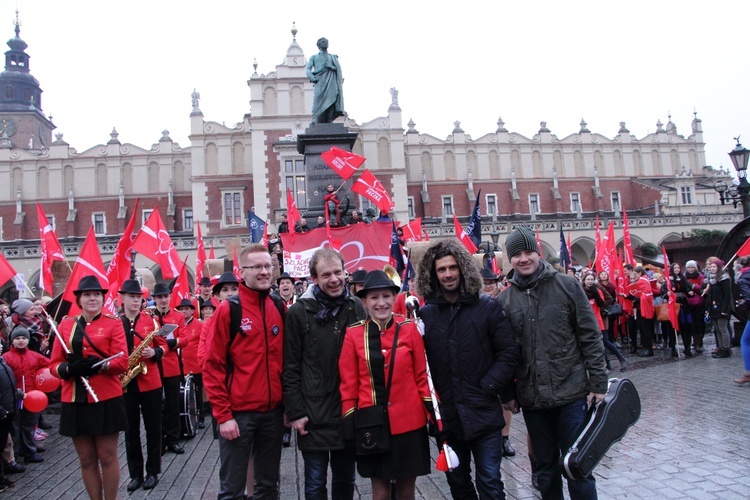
x=25, y=364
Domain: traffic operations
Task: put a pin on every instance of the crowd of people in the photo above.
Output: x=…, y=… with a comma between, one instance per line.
x=338, y=358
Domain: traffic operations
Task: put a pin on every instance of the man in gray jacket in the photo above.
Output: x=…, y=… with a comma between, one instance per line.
x=562, y=359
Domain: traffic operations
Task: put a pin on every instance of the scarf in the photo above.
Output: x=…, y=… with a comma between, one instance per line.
x=530, y=281
x=329, y=305
x=693, y=275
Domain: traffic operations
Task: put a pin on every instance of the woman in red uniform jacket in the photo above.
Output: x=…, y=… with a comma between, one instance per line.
x=364, y=366
x=91, y=337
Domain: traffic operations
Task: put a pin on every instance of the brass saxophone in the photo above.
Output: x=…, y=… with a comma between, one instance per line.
x=135, y=365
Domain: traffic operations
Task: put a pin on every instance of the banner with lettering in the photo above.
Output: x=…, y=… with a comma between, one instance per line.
x=364, y=246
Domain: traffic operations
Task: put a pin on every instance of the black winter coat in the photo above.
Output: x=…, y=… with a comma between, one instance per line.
x=8, y=391
x=473, y=355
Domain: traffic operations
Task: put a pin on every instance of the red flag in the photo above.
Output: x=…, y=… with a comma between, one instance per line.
x=154, y=243
x=50, y=250
x=88, y=263
x=671, y=298
x=371, y=188
x=119, y=267
x=413, y=230
x=463, y=236
x=211, y=252
x=236, y=264
x=6, y=270
x=539, y=245
x=626, y=243
x=608, y=254
x=494, y=267
x=264, y=240
x=292, y=213
x=744, y=249
x=426, y=234
x=200, y=258
x=343, y=162
x=570, y=252
x=181, y=288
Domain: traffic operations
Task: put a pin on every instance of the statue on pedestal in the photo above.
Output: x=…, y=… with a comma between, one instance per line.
x=324, y=70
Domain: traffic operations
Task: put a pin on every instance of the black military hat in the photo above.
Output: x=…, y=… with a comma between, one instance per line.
x=89, y=284
x=132, y=287
x=376, y=280
x=161, y=289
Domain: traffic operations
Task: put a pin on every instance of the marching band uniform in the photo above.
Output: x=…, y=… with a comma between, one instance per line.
x=171, y=373
x=190, y=363
x=143, y=396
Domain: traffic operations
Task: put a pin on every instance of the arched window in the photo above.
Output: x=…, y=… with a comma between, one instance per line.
x=494, y=165
x=536, y=159
x=580, y=169
x=238, y=158
x=427, y=165
x=153, y=177
x=297, y=97
x=101, y=179
x=212, y=159
x=384, y=153
x=656, y=162
x=127, y=178
x=637, y=163
x=42, y=183
x=618, y=162
x=179, y=179
x=450, y=165
x=68, y=180
x=270, y=106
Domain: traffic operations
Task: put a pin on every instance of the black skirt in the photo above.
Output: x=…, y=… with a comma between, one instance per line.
x=409, y=457
x=93, y=419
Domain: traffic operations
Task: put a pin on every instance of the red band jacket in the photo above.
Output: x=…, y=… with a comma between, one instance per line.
x=104, y=337
x=170, y=362
x=249, y=378
x=142, y=327
x=193, y=330
x=365, y=366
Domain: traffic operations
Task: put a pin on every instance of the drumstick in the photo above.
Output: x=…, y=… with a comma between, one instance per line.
x=106, y=360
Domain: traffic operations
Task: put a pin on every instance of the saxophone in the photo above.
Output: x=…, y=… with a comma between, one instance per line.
x=135, y=365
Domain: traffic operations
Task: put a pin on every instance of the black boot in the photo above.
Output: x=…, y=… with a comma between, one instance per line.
x=508, y=450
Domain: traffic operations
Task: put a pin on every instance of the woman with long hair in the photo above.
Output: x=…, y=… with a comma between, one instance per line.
x=91, y=337
x=719, y=306
x=680, y=287
x=366, y=360
x=600, y=299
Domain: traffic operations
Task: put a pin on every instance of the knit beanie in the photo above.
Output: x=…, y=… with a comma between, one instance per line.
x=691, y=263
x=521, y=238
x=20, y=306
x=19, y=331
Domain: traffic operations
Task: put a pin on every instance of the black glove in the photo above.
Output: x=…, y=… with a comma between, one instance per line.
x=347, y=427
x=431, y=419
x=172, y=343
x=84, y=367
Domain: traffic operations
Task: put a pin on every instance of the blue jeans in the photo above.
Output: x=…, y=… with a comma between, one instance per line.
x=316, y=474
x=552, y=432
x=488, y=452
x=745, y=347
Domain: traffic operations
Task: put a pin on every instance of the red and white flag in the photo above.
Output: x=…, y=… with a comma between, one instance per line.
x=181, y=288
x=343, y=162
x=671, y=297
x=463, y=236
x=154, y=243
x=88, y=263
x=413, y=230
x=50, y=251
x=200, y=258
x=7, y=272
x=236, y=264
x=627, y=244
x=371, y=188
x=292, y=213
x=119, y=267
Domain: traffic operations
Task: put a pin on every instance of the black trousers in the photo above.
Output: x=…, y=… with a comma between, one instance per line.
x=170, y=416
x=4, y=431
x=646, y=327
x=198, y=379
x=147, y=404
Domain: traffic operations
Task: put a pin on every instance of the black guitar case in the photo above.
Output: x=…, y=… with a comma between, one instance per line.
x=608, y=422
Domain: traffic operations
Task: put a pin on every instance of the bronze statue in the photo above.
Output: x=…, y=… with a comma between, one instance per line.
x=324, y=70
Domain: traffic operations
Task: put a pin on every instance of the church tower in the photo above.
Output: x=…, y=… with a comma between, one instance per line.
x=22, y=121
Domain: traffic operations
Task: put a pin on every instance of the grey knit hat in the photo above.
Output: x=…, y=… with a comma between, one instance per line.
x=691, y=263
x=20, y=306
x=521, y=238
x=19, y=331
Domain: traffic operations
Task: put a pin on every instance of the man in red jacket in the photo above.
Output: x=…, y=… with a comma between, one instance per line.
x=171, y=373
x=242, y=376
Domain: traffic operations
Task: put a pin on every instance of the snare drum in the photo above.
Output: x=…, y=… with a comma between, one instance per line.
x=188, y=408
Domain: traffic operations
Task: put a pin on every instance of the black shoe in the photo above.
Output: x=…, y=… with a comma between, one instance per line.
x=646, y=353
x=150, y=482
x=722, y=353
x=508, y=450
x=6, y=483
x=175, y=448
x=535, y=480
x=14, y=468
x=201, y=424
x=34, y=459
x=135, y=483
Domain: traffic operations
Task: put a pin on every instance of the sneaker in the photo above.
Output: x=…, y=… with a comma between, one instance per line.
x=508, y=450
x=40, y=435
x=13, y=468
x=34, y=459
x=6, y=483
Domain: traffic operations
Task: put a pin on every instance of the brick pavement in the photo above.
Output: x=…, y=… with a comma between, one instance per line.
x=692, y=441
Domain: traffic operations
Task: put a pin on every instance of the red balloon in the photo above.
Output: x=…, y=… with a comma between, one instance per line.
x=35, y=401
x=46, y=382
x=146, y=292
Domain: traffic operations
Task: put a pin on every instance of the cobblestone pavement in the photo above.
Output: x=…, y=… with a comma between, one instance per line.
x=692, y=441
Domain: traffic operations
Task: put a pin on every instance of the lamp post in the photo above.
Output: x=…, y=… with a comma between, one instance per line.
x=737, y=193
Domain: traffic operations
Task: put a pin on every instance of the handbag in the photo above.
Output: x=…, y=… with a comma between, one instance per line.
x=614, y=310
x=662, y=311
x=372, y=430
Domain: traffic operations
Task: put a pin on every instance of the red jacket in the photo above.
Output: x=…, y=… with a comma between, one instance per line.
x=409, y=390
x=25, y=365
x=170, y=362
x=106, y=334
x=641, y=290
x=204, y=341
x=144, y=325
x=190, y=351
x=254, y=382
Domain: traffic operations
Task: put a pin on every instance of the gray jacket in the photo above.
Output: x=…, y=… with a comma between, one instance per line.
x=562, y=354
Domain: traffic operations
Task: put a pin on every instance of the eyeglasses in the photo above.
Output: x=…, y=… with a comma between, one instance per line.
x=257, y=267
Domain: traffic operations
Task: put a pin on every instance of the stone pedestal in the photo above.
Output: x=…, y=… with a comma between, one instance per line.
x=320, y=137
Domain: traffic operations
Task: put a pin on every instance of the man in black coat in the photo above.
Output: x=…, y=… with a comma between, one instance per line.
x=473, y=355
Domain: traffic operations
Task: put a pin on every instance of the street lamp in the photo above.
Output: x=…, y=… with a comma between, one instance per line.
x=737, y=193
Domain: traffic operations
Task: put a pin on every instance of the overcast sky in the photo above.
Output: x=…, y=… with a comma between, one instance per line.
x=133, y=65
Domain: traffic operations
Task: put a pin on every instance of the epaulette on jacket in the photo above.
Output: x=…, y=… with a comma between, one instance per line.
x=358, y=323
x=111, y=316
